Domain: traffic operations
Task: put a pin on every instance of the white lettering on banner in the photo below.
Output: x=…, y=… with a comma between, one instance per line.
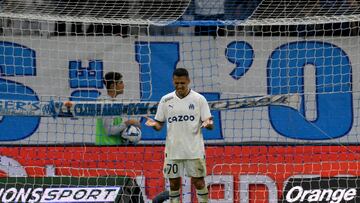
x=84, y=194
x=298, y=194
x=12, y=167
x=9, y=195
x=247, y=180
x=227, y=183
x=21, y=195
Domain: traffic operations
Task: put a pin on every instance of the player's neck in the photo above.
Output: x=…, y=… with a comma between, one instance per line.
x=182, y=96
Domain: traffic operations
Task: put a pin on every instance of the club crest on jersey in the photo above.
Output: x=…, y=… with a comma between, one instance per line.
x=191, y=107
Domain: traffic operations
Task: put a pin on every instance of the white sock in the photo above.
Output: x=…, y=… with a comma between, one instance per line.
x=174, y=196
x=202, y=195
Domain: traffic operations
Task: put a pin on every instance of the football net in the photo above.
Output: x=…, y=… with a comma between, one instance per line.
x=93, y=11
x=280, y=78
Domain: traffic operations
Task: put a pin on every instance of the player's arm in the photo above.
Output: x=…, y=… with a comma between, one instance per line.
x=115, y=128
x=206, y=117
x=112, y=127
x=160, y=117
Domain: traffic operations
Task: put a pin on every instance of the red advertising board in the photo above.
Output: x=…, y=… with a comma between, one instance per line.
x=275, y=163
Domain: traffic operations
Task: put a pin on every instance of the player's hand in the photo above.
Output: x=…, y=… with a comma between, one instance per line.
x=208, y=123
x=132, y=122
x=150, y=122
x=153, y=123
x=68, y=104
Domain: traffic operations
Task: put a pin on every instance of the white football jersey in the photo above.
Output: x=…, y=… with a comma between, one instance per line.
x=183, y=117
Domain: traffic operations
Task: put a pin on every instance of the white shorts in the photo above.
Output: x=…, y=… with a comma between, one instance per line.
x=180, y=167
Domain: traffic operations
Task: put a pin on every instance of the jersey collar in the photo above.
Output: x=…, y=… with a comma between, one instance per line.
x=184, y=96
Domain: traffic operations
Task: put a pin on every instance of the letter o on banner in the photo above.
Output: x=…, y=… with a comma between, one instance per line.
x=289, y=197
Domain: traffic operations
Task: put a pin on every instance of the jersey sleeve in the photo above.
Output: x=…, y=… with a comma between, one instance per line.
x=160, y=115
x=114, y=126
x=204, y=109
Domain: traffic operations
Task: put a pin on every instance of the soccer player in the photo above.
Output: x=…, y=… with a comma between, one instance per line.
x=185, y=112
x=109, y=129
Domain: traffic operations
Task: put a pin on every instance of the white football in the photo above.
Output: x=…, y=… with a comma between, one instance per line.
x=132, y=133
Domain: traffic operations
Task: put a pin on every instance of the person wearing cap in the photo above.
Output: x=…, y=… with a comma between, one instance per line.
x=109, y=129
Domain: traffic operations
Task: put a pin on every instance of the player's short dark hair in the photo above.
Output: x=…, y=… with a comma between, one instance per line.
x=111, y=78
x=180, y=72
